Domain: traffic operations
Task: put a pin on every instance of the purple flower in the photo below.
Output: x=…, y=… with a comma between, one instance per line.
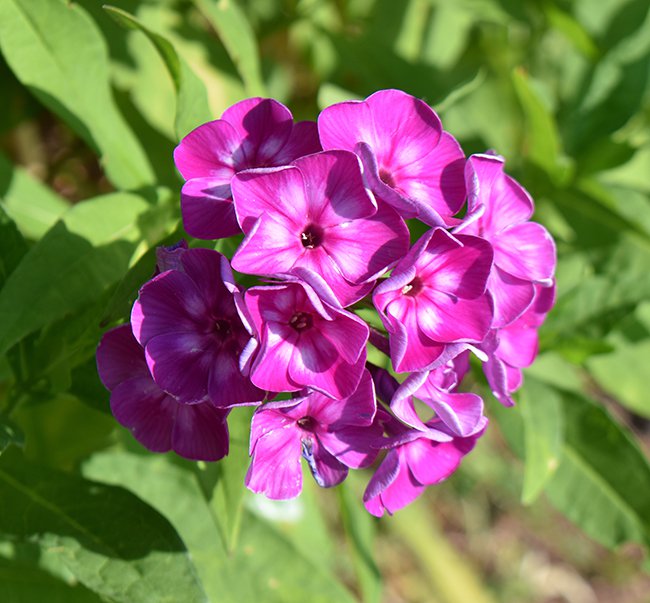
x=157, y=420
x=514, y=347
x=304, y=342
x=415, y=461
x=524, y=252
x=256, y=132
x=316, y=215
x=462, y=413
x=409, y=161
x=435, y=296
x=188, y=324
x=331, y=435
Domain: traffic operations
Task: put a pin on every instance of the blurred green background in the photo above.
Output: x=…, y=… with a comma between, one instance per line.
x=560, y=88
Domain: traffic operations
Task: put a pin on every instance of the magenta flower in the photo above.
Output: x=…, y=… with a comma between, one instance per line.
x=331, y=435
x=256, y=132
x=515, y=346
x=187, y=322
x=462, y=413
x=415, y=461
x=157, y=420
x=409, y=161
x=316, y=215
x=435, y=296
x=304, y=342
x=524, y=252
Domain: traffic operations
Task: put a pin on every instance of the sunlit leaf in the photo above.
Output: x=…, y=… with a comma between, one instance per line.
x=191, y=97
x=110, y=540
x=56, y=50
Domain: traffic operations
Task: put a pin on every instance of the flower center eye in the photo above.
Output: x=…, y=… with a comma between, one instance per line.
x=301, y=321
x=312, y=236
x=307, y=423
x=386, y=177
x=413, y=288
x=221, y=328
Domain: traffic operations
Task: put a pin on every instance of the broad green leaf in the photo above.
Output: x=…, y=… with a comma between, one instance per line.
x=275, y=571
x=111, y=541
x=12, y=246
x=360, y=531
x=542, y=140
x=603, y=480
x=572, y=29
x=191, y=97
x=234, y=31
x=22, y=583
x=57, y=51
x=541, y=410
x=223, y=483
x=623, y=375
x=33, y=207
x=74, y=263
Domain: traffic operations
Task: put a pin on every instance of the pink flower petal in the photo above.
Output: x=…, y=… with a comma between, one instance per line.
x=433, y=462
x=263, y=125
x=303, y=141
x=526, y=251
x=325, y=468
x=207, y=209
x=335, y=188
x=511, y=296
x=343, y=125
x=210, y=151
x=275, y=467
x=276, y=191
x=270, y=369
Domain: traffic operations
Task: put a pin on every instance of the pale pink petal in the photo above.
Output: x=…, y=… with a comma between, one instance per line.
x=526, y=251
x=343, y=125
x=334, y=188
x=275, y=467
x=510, y=295
x=363, y=249
x=435, y=181
x=276, y=191
x=270, y=247
x=210, y=151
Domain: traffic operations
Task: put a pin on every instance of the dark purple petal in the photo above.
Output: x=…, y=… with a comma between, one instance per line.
x=120, y=358
x=139, y=405
x=207, y=209
x=303, y=141
x=200, y=432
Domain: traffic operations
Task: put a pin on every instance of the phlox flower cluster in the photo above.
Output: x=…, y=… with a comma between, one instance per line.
x=321, y=210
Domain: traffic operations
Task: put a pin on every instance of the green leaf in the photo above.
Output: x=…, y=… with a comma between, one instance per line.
x=56, y=50
x=603, y=481
x=623, y=375
x=191, y=96
x=223, y=483
x=74, y=263
x=360, y=530
x=236, y=34
x=33, y=206
x=12, y=247
x=542, y=143
x=110, y=540
x=275, y=571
x=22, y=583
x=541, y=410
